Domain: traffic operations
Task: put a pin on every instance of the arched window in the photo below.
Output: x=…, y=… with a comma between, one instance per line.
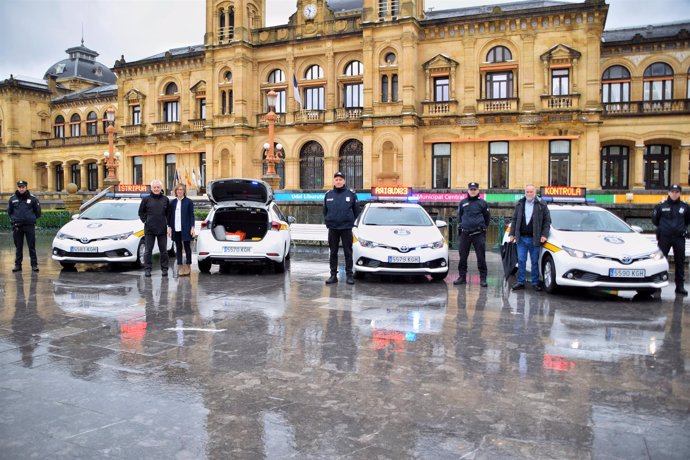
x=499, y=54
x=227, y=78
x=171, y=89
x=276, y=76
x=91, y=124
x=657, y=166
x=615, y=89
x=354, y=68
x=352, y=86
x=314, y=96
x=658, y=82
x=615, y=161
x=226, y=24
x=351, y=163
x=59, y=127
x=75, y=125
x=311, y=166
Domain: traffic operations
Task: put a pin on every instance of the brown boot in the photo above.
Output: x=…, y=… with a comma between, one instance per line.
x=180, y=270
x=186, y=270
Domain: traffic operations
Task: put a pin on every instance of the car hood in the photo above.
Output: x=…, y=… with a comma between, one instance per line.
x=227, y=190
x=399, y=235
x=98, y=228
x=604, y=243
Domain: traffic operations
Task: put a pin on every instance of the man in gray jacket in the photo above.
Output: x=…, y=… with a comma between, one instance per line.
x=530, y=227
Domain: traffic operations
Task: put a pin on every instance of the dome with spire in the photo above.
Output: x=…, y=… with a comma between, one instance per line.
x=81, y=65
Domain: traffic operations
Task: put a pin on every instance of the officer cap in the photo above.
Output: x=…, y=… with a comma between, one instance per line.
x=473, y=185
x=675, y=188
x=338, y=174
x=21, y=183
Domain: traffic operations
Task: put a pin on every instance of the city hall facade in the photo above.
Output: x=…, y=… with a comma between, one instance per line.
x=385, y=91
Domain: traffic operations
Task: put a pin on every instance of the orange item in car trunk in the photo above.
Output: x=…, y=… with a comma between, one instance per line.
x=239, y=233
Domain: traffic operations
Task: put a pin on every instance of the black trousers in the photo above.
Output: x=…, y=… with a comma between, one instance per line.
x=150, y=240
x=335, y=237
x=179, y=245
x=665, y=243
x=19, y=232
x=478, y=240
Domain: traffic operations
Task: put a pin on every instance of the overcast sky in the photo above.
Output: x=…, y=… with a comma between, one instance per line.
x=34, y=34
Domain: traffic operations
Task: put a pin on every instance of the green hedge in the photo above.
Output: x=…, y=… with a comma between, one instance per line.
x=50, y=219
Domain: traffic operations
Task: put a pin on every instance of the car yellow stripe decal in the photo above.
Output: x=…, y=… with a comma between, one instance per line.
x=551, y=247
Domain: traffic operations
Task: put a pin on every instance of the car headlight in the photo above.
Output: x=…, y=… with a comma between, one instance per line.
x=367, y=243
x=435, y=245
x=657, y=255
x=578, y=253
x=121, y=236
x=63, y=236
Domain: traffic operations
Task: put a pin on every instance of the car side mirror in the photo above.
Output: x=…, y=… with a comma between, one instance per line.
x=636, y=228
x=441, y=223
x=291, y=220
x=75, y=216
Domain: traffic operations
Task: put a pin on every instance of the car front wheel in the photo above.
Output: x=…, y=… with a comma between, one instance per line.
x=439, y=276
x=68, y=265
x=141, y=249
x=549, y=274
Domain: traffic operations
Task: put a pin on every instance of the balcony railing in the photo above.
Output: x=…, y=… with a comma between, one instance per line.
x=63, y=141
x=226, y=34
x=309, y=116
x=564, y=102
x=261, y=119
x=132, y=130
x=647, y=107
x=197, y=124
x=440, y=108
x=498, y=105
x=166, y=127
x=348, y=113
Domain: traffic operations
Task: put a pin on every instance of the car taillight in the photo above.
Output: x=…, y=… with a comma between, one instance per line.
x=277, y=226
x=204, y=224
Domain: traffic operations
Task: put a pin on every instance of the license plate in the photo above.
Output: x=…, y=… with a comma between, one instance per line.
x=626, y=273
x=83, y=249
x=403, y=259
x=236, y=249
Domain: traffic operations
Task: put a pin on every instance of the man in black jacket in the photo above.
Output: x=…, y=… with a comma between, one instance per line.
x=473, y=220
x=153, y=212
x=671, y=218
x=24, y=210
x=340, y=209
x=530, y=227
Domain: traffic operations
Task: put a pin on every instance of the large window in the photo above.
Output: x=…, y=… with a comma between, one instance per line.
x=136, y=114
x=353, y=90
x=560, y=82
x=59, y=178
x=137, y=170
x=171, y=107
x=314, y=96
x=75, y=125
x=498, y=164
x=389, y=88
x=202, y=107
x=91, y=124
x=658, y=82
x=75, y=175
x=386, y=6
x=440, y=166
x=59, y=127
x=441, y=89
x=615, y=160
x=657, y=167
x=559, y=163
x=277, y=77
x=351, y=163
x=499, y=85
x=170, y=172
x=615, y=88
x=92, y=176
x=311, y=166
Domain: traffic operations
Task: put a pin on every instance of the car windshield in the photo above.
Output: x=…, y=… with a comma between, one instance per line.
x=112, y=211
x=408, y=216
x=571, y=220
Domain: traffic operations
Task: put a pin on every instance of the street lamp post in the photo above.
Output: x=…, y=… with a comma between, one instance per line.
x=271, y=177
x=112, y=158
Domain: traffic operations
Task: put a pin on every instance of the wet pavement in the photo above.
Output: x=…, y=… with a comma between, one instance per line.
x=104, y=363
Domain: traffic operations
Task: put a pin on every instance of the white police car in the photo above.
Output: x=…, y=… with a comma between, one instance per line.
x=591, y=247
x=110, y=231
x=399, y=239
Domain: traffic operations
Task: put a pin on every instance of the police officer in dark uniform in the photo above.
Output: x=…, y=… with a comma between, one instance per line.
x=473, y=220
x=340, y=209
x=671, y=218
x=24, y=210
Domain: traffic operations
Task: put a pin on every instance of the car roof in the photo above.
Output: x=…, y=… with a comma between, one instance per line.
x=393, y=205
x=576, y=207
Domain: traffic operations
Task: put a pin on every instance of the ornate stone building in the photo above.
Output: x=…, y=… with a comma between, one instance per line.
x=383, y=90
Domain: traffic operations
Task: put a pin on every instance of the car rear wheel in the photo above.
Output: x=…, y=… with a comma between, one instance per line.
x=205, y=266
x=141, y=249
x=439, y=276
x=279, y=266
x=548, y=272
x=68, y=265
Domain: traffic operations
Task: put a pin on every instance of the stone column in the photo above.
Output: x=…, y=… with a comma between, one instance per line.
x=638, y=167
x=684, y=164
x=83, y=177
x=51, y=177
